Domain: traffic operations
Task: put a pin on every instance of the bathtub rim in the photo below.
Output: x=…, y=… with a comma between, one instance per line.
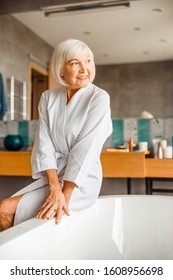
x=26, y=227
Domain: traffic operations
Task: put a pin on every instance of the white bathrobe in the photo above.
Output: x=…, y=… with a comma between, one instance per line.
x=69, y=139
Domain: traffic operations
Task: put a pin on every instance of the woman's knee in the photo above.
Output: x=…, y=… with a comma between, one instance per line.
x=8, y=206
x=7, y=212
x=4, y=206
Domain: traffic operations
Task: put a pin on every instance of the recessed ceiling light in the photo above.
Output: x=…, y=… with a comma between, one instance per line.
x=159, y=10
x=137, y=28
x=162, y=40
x=87, y=33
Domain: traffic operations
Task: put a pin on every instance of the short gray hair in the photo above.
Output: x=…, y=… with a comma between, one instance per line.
x=65, y=51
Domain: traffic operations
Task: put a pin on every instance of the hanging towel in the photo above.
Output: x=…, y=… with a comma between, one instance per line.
x=3, y=99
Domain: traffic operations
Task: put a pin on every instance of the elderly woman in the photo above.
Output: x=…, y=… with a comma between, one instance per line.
x=74, y=122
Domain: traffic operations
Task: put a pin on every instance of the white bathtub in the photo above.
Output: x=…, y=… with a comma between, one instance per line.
x=116, y=227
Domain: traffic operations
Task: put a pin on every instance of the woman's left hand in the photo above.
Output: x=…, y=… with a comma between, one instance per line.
x=54, y=206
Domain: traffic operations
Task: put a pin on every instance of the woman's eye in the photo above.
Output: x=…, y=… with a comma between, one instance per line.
x=74, y=63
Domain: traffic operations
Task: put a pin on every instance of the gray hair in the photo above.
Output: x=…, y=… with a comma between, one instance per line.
x=65, y=51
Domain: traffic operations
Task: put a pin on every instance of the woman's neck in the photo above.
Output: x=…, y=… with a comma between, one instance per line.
x=70, y=93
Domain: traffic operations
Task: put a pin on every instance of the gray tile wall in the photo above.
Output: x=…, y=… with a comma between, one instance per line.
x=134, y=88
x=16, y=42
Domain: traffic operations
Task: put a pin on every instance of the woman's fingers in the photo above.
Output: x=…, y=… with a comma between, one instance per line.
x=53, y=208
x=59, y=214
x=42, y=212
x=50, y=212
x=53, y=215
x=48, y=204
x=66, y=210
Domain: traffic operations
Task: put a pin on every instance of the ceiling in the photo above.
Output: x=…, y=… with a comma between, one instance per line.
x=142, y=32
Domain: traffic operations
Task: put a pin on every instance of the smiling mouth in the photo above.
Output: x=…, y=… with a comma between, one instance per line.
x=83, y=78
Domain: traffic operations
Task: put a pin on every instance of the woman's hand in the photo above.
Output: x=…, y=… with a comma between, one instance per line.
x=57, y=202
x=54, y=206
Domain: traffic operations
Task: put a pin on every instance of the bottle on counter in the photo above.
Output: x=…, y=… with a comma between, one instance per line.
x=160, y=152
x=163, y=145
x=131, y=144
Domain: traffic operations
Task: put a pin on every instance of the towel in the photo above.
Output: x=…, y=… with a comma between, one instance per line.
x=3, y=100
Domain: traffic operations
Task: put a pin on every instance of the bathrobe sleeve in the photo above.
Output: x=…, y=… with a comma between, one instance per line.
x=87, y=148
x=43, y=154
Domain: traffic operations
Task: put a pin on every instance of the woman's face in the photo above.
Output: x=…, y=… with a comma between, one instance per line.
x=77, y=71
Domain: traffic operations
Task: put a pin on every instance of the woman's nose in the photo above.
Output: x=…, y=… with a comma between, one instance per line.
x=82, y=67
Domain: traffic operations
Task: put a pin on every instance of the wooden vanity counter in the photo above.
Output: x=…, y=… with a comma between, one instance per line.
x=15, y=163
x=159, y=168
x=115, y=165
x=123, y=164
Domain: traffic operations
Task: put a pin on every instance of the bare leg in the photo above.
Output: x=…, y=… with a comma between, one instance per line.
x=7, y=211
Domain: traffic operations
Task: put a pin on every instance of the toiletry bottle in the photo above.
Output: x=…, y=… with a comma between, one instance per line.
x=160, y=152
x=131, y=144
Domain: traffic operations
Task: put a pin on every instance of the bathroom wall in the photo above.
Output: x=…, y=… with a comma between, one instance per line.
x=141, y=130
x=123, y=129
x=16, y=42
x=134, y=88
